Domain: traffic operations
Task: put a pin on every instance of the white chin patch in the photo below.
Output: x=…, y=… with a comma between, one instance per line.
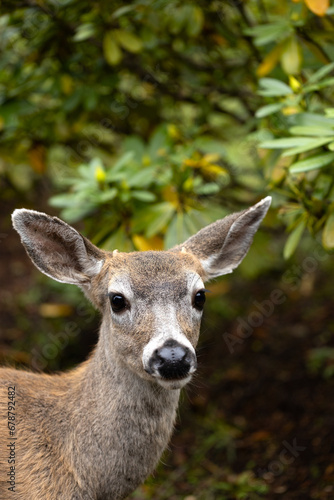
x=173, y=384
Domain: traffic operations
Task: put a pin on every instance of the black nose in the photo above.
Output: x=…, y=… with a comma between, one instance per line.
x=172, y=360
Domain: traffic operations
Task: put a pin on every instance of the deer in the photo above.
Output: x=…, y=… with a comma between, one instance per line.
x=97, y=431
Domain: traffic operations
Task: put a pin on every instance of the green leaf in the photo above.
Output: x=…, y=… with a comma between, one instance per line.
x=293, y=240
x=195, y=21
x=124, y=160
x=122, y=10
x=311, y=144
x=329, y=82
x=312, y=131
x=61, y=200
x=285, y=142
x=136, y=145
x=128, y=40
x=164, y=212
x=157, y=142
x=311, y=163
x=77, y=212
x=273, y=87
x=145, y=196
x=177, y=231
x=269, y=109
x=152, y=218
x=111, y=50
x=323, y=71
x=143, y=178
x=266, y=33
x=207, y=188
x=328, y=233
x=84, y=31
x=315, y=119
x=106, y=196
x=119, y=240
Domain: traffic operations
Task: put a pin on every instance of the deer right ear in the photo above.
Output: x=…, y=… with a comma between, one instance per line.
x=221, y=246
x=57, y=249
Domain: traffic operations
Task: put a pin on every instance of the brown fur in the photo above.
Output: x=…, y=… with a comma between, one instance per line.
x=96, y=432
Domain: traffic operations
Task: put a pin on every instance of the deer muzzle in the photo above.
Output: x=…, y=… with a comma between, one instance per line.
x=172, y=361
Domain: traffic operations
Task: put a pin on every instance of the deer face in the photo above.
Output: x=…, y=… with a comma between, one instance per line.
x=151, y=301
x=155, y=305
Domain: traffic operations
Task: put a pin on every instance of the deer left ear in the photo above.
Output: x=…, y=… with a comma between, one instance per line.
x=221, y=246
x=56, y=248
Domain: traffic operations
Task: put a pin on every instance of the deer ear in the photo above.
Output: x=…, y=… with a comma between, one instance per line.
x=57, y=249
x=221, y=246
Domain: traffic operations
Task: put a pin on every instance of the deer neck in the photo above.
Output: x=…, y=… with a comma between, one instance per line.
x=128, y=423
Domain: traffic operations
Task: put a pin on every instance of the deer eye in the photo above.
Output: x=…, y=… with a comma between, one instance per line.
x=199, y=300
x=117, y=301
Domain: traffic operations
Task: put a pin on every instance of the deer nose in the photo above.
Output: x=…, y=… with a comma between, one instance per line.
x=172, y=360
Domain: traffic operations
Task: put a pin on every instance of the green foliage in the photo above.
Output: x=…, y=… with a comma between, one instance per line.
x=165, y=189
x=82, y=81
x=321, y=360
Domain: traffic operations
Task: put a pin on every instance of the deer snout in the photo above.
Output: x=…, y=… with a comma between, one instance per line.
x=172, y=361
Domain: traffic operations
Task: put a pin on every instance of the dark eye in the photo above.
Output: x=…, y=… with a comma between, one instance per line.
x=199, y=300
x=117, y=301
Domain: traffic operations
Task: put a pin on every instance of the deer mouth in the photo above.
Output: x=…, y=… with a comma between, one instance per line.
x=173, y=384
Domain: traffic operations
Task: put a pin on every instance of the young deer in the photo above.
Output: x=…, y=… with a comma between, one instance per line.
x=99, y=430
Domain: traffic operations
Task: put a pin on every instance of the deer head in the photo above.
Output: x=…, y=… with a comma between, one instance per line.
x=151, y=302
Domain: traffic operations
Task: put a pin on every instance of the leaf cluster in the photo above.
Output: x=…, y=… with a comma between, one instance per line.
x=82, y=84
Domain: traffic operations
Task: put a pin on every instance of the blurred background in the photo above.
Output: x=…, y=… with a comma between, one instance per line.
x=140, y=123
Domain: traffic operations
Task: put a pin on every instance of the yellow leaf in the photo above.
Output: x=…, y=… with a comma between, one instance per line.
x=291, y=57
x=169, y=193
x=100, y=174
x=66, y=84
x=269, y=62
x=214, y=170
x=294, y=83
x=144, y=244
x=291, y=110
x=318, y=7
x=146, y=160
x=111, y=50
x=211, y=157
x=55, y=310
x=188, y=184
x=220, y=40
x=37, y=158
x=173, y=132
x=161, y=152
x=128, y=40
x=189, y=162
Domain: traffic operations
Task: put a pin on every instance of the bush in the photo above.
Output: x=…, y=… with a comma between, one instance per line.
x=151, y=115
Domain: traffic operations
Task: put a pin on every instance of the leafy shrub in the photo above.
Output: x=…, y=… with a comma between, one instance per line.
x=227, y=75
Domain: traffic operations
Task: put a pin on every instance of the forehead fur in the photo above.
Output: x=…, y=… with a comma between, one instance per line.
x=148, y=264
x=153, y=268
